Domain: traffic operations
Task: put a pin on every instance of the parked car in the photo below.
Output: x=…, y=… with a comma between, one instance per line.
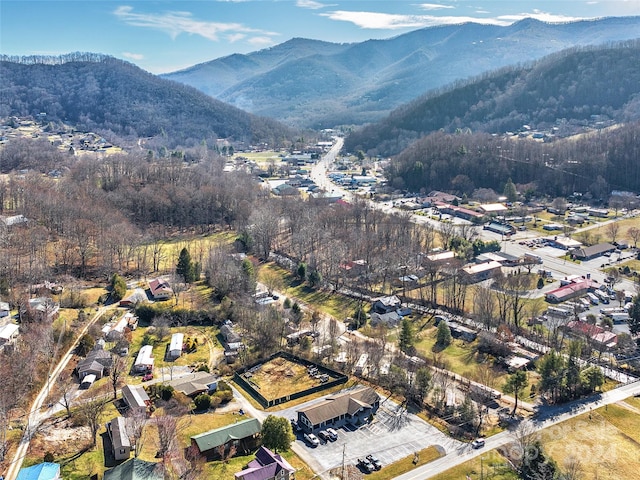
x=294, y=425
x=324, y=435
x=374, y=461
x=477, y=443
x=333, y=435
x=311, y=439
x=365, y=465
x=147, y=377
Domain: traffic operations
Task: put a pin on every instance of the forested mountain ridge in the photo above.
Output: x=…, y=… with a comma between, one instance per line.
x=318, y=84
x=463, y=163
x=98, y=93
x=564, y=89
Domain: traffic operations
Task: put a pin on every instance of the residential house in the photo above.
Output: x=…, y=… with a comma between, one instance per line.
x=5, y=310
x=42, y=309
x=195, y=383
x=114, y=331
x=353, y=268
x=41, y=471
x=391, y=319
x=120, y=443
x=386, y=304
x=136, y=297
x=144, y=361
x=267, y=466
x=175, y=346
x=135, y=397
x=97, y=362
x=243, y=436
x=460, y=331
x=135, y=469
x=8, y=335
x=351, y=406
x=160, y=289
x=232, y=341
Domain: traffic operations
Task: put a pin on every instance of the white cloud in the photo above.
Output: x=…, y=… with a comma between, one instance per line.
x=133, y=56
x=375, y=20
x=260, y=41
x=311, y=4
x=174, y=23
x=387, y=21
x=433, y=6
x=542, y=16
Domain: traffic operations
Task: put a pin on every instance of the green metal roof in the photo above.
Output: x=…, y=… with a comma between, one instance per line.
x=220, y=436
x=135, y=469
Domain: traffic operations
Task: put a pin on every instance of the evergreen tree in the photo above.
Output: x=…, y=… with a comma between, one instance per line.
x=510, y=191
x=516, y=383
x=406, y=338
x=185, y=267
x=443, y=335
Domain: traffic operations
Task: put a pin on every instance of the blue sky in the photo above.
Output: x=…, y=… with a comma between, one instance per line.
x=164, y=36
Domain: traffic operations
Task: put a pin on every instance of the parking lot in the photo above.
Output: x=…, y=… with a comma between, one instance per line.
x=393, y=435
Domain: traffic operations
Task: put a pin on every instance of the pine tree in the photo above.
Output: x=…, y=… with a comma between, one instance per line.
x=406, y=338
x=443, y=335
x=185, y=267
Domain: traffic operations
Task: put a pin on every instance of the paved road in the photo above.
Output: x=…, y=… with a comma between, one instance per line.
x=35, y=416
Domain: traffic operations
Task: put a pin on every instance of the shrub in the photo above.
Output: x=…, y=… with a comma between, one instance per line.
x=202, y=401
x=48, y=457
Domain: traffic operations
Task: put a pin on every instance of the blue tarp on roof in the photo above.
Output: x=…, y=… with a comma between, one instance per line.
x=42, y=471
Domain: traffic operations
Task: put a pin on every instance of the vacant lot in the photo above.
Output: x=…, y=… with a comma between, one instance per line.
x=281, y=377
x=606, y=442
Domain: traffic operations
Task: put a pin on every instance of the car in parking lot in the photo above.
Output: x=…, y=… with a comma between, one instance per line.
x=324, y=435
x=365, y=465
x=294, y=425
x=333, y=435
x=311, y=439
x=477, y=443
x=374, y=461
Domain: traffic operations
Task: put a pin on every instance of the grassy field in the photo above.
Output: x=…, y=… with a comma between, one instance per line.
x=606, y=442
x=330, y=303
x=488, y=466
x=461, y=357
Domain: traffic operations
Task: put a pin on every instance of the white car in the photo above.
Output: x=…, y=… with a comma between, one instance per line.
x=311, y=439
x=477, y=443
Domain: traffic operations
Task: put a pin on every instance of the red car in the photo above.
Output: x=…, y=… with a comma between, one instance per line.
x=147, y=377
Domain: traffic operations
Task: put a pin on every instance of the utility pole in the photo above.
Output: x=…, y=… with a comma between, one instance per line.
x=344, y=466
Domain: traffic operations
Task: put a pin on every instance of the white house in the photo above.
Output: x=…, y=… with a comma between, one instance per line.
x=4, y=309
x=160, y=289
x=8, y=334
x=175, y=347
x=144, y=360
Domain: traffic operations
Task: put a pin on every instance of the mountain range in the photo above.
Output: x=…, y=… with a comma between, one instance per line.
x=318, y=84
x=559, y=94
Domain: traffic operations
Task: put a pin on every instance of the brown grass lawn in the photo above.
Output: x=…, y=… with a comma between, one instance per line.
x=607, y=445
x=488, y=466
x=406, y=464
x=281, y=377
